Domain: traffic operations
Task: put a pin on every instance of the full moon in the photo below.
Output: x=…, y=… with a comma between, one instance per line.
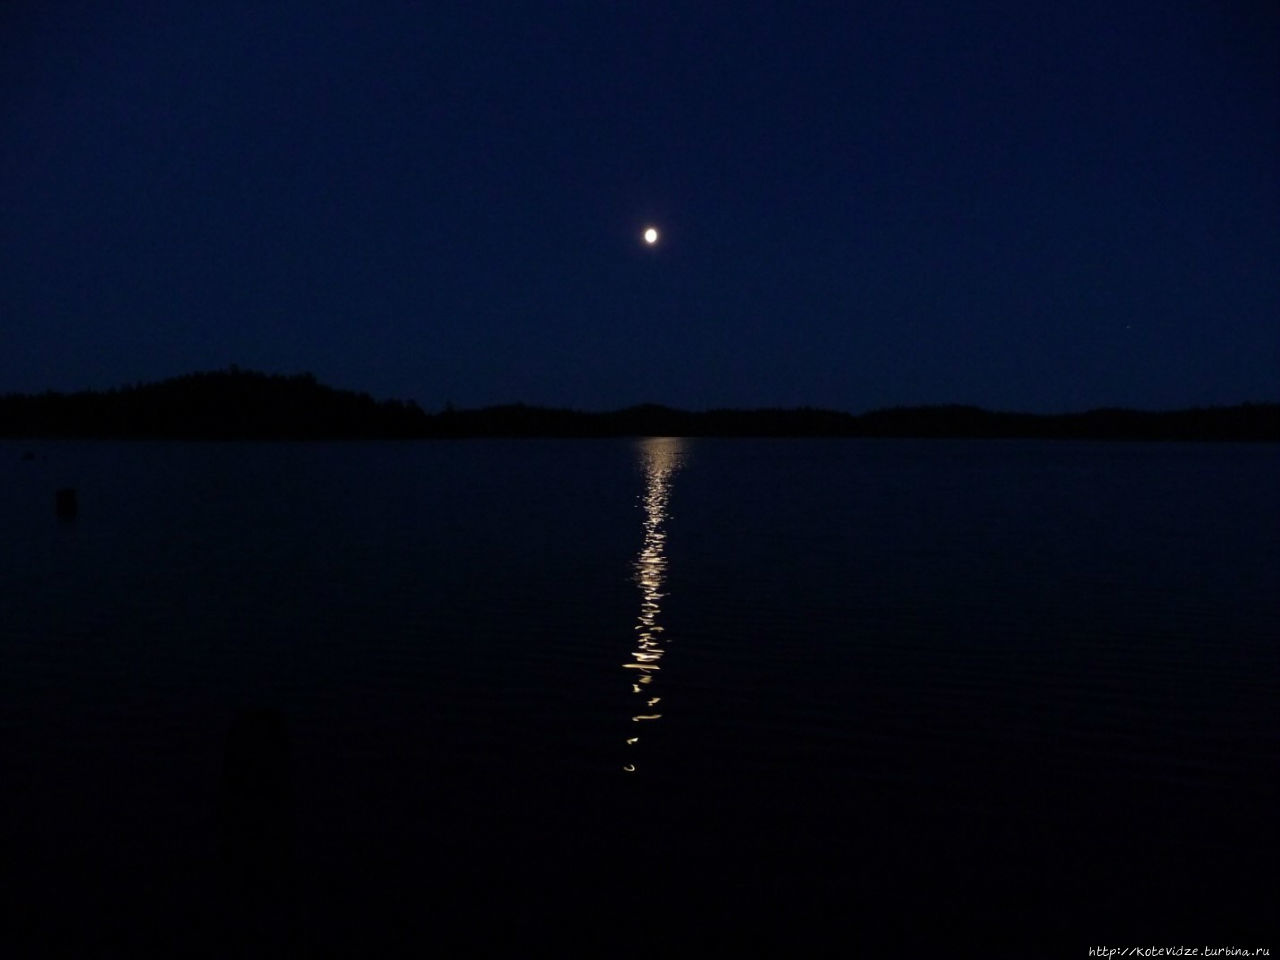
x=650, y=236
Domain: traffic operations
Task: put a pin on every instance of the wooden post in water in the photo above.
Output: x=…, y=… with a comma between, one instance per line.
x=65, y=505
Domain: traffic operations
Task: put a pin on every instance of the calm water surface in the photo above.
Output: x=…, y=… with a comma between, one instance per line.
x=774, y=693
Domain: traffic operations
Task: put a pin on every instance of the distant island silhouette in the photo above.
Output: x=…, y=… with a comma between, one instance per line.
x=236, y=404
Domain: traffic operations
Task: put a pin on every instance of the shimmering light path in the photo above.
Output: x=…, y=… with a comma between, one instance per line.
x=660, y=457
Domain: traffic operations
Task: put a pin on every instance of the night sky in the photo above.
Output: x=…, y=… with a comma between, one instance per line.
x=1041, y=207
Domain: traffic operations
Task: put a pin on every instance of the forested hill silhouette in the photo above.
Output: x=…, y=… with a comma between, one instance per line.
x=228, y=404
x=234, y=404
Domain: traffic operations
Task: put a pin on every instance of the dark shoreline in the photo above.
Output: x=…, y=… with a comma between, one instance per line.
x=243, y=405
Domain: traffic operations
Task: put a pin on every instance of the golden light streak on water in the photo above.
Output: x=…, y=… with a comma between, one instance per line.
x=660, y=457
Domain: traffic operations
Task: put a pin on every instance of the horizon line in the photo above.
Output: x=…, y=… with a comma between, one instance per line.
x=450, y=408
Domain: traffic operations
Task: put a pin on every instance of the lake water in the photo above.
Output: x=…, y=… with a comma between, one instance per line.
x=780, y=696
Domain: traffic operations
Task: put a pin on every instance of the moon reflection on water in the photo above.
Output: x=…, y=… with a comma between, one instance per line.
x=660, y=458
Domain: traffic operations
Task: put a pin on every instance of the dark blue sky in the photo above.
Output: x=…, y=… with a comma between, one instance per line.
x=1023, y=206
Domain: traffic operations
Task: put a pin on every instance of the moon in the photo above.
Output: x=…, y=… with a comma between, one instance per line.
x=650, y=236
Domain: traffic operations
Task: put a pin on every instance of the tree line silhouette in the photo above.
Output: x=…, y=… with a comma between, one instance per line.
x=234, y=404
